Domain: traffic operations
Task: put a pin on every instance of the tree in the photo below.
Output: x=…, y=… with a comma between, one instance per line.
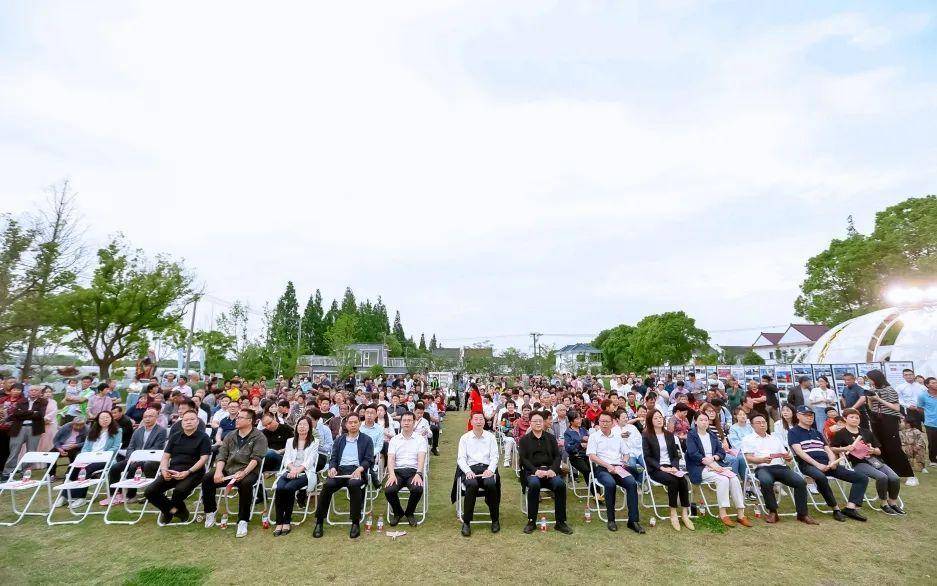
x=283, y=332
x=381, y=310
x=349, y=306
x=127, y=299
x=370, y=324
x=849, y=277
x=615, y=344
x=665, y=338
x=330, y=316
x=422, y=343
x=216, y=346
x=398, y=329
x=233, y=323
x=752, y=357
x=313, y=331
x=432, y=343
x=340, y=337
x=15, y=240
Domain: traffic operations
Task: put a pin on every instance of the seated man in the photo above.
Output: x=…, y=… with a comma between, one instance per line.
x=406, y=456
x=609, y=455
x=149, y=436
x=816, y=460
x=352, y=455
x=237, y=464
x=478, y=463
x=540, y=468
x=769, y=456
x=277, y=434
x=506, y=420
x=183, y=467
x=70, y=438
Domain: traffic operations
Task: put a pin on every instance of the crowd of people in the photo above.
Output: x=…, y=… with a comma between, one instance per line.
x=313, y=436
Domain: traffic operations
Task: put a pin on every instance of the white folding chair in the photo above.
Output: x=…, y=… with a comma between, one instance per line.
x=311, y=491
x=870, y=500
x=779, y=490
x=99, y=481
x=460, y=504
x=338, y=516
x=598, y=506
x=811, y=497
x=543, y=512
x=32, y=486
x=137, y=459
x=257, y=489
x=649, y=484
x=423, y=509
x=197, y=496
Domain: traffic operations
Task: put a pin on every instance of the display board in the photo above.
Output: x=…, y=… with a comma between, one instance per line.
x=893, y=372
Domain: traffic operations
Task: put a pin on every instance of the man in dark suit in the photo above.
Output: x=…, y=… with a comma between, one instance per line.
x=27, y=424
x=540, y=468
x=149, y=436
x=352, y=456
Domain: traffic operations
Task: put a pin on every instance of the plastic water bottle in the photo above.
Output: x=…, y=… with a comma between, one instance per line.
x=82, y=475
x=138, y=475
x=652, y=521
x=224, y=522
x=588, y=515
x=265, y=520
x=380, y=524
x=757, y=513
x=27, y=474
x=228, y=488
x=543, y=523
x=367, y=525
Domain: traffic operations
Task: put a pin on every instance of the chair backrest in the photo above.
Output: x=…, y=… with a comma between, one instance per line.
x=85, y=458
x=145, y=456
x=49, y=458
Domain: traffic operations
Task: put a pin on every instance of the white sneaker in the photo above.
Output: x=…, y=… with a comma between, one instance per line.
x=911, y=482
x=209, y=520
x=242, y=529
x=59, y=502
x=813, y=488
x=77, y=503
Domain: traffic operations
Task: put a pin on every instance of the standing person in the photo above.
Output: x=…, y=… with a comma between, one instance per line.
x=352, y=455
x=181, y=469
x=477, y=462
x=540, y=468
x=51, y=423
x=908, y=393
x=662, y=456
x=927, y=402
x=862, y=450
x=76, y=399
x=100, y=401
x=886, y=414
x=474, y=403
x=821, y=398
x=757, y=397
x=771, y=392
x=406, y=457
x=798, y=395
x=854, y=398
x=27, y=424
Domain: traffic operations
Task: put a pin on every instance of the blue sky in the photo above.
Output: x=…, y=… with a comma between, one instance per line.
x=490, y=168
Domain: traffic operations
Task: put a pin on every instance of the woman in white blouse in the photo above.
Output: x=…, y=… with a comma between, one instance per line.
x=821, y=398
x=298, y=472
x=787, y=421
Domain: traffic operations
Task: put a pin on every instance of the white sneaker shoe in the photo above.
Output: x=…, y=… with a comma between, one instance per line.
x=813, y=488
x=242, y=529
x=59, y=502
x=209, y=520
x=911, y=482
x=77, y=503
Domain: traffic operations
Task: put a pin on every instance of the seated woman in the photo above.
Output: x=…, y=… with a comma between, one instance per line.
x=299, y=472
x=864, y=452
x=787, y=421
x=740, y=429
x=661, y=457
x=104, y=435
x=704, y=459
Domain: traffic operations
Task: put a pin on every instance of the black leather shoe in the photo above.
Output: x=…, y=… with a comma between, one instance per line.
x=165, y=517
x=392, y=520
x=839, y=516
x=412, y=520
x=466, y=530
x=855, y=515
x=182, y=513
x=636, y=527
x=435, y=452
x=355, y=531
x=317, y=531
x=529, y=527
x=898, y=510
x=495, y=526
x=564, y=528
x=612, y=526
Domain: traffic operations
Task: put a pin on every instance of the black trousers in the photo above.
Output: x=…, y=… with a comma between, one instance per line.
x=181, y=489
x=404, y=479
x=434, y=427
x=556, y=485
x=355, y=493
x=245, y=494
x=676, y=487
x=285, y=496
x=931, y=443
x=492, y=494
x=582, y=466
x=768, y=475
x=149, y=469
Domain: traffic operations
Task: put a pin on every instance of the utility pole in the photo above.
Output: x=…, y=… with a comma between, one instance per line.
x=188, y=346
x=535, y=336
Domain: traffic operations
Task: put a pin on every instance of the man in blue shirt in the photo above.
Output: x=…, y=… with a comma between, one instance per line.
x=928, y=403
x=817, y=461
x=352, y=455
x=854, y=397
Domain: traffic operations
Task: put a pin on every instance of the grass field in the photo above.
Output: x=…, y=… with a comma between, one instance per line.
x=885, y=550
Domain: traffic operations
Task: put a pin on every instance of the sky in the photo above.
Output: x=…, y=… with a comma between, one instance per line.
x=489, y=168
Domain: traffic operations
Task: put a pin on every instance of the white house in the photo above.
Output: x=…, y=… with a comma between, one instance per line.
x=789, y=345
x=576, y=357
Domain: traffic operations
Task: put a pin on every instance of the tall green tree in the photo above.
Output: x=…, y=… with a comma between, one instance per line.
x=349, y=306
x=128, y=299
x=432, y=343
x=340, y=337
x=331, y=315
x=15, y=240
x=849, y=278
x=670, y=337
x=398, y=329
x=313, y=341
x=381, y=310
x=369, y=324
x=216, y=346
x=615, y=344
x=283, y=332
x=422, y=343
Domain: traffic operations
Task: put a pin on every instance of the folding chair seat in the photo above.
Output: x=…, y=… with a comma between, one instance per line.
x=32, y=486
x=339, y=516
x=404, y=493
x=542, y=511
x=597, y=506
x=256, y=490
x=127, y=481
x=647, y=491
x=780, y=490
x=98, y=481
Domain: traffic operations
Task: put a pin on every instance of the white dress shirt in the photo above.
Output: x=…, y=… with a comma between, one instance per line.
x=477, y=450
x=764, y=447
x=421, y=427
x=407, y=450
x=608, y=448
x=633, y=444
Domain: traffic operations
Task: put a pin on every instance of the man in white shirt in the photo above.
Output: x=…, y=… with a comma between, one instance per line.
x=769, y=455
x=478, y=461
x=908, y=393
x=183, y=387
x=609, y=456
x=406, y=457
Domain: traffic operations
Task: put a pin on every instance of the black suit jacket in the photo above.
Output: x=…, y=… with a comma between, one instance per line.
x=22, y=413
x=652, y=450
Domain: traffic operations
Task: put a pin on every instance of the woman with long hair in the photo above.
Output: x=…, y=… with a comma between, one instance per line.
x=52, y=426
x=886, y=414
x=104, y=435
x=704, y=459
x=662, y=458
x=787, y=421
x=298, y=473
x=821, y=398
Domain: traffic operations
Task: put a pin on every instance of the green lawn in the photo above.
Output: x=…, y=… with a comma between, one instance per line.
x=885, y=550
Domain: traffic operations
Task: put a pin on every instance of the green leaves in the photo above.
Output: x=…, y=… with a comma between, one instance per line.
x=670, y=337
